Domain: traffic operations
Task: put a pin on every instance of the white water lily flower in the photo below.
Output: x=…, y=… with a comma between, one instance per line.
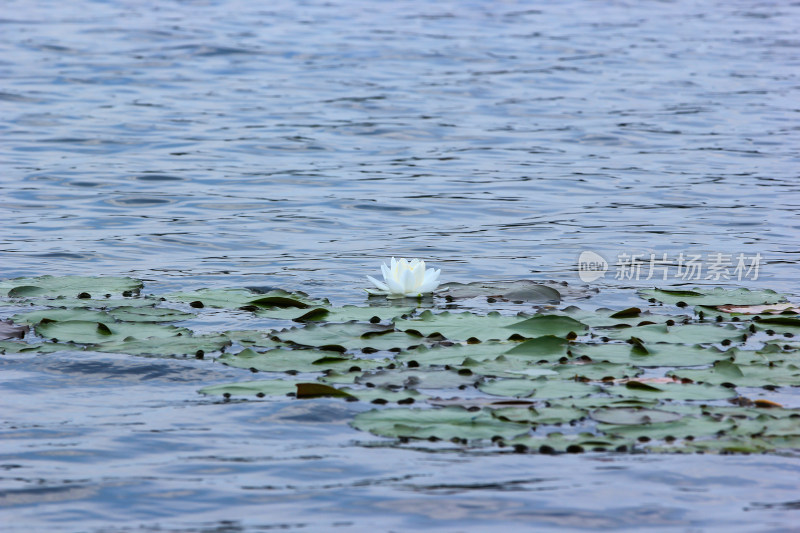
x=405, y=278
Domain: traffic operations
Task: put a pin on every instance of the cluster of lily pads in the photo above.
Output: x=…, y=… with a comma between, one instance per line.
x=690, y=370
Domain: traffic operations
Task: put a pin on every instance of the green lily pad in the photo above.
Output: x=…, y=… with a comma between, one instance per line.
x=383, y=395
x=238, y=298
x=272, y=387
x=743, y=375
x=578, y=443
x=715, y=296
x=597, y=371
x=555, y=325
x=280, y=360
x=33, y=347
x=519, y=291
x=544, y=348
x=453, y=355
x=70, y=286
x=350, y=336
x=687, y=426
x=672, y=391
x=416, y=379
x=504, y=367
x=605, y=318
x=633, y=416
x=444, y=423
x=253, y=338
x=89, y=332
x=779, y=325
x=539, y=415
x=683, y=334
x=459, y=326
x=84, y=303
x=352, y=312
x=538, y=388
x=654, y=355
x=34, y=317
x=149, y=314
x=166, y=347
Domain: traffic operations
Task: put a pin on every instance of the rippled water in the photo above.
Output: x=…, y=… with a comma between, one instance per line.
x=298, y=144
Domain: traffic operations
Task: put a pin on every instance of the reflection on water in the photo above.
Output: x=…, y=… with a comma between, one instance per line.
x=234, y=143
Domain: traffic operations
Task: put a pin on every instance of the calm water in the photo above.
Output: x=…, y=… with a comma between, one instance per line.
x=299, y=144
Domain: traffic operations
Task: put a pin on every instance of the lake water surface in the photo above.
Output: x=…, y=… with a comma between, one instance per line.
x=234, y=143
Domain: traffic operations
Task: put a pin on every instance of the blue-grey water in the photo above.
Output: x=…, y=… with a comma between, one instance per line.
x=298, y=144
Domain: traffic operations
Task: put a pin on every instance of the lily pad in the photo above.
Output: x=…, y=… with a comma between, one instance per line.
x=166, y=347
x=528, y=291
x=541, y=388
x=34, y=317
x=546, y=347
x=539, y=415
x=743, y=375
x=575, y=443
x=416, y=379
x=280, y=360
x=272, y=387
x=672, y=391
x=683, y=427
x=453, y=355
x=555, y=325
x=444, y=423
x=605, y=318
x=89, y=332
x=349, y=336
x=632, y=416
x=459, y=326
x=352, y=312
x=70, y=286
x=678, y=334
x=33, y=347
x=650, y=355
x=713, y=297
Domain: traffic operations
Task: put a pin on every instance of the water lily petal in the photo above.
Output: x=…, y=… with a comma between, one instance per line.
x=419, y=273
x=382, y=286
x=409, y=283
x=395, y=286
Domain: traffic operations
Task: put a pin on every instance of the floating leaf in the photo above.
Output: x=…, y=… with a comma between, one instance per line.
x=318, y=390
x=349, y=336
x=672, y=391
x=416, y=379
x=656, y=355
x=444, y=423
x=71, y=286
x=633, y=416
x=272, y=387
x=459, y=326
x=199, y=345
x=555, y=325
x=528, y=291
x=538, y=388
x=683, y=334
x=713, y=297
x=546, y=347
x=454, y=354
x=296, y=360
x=771, y=309
x=743, y=375
x=536, y=415
x=88, y=332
